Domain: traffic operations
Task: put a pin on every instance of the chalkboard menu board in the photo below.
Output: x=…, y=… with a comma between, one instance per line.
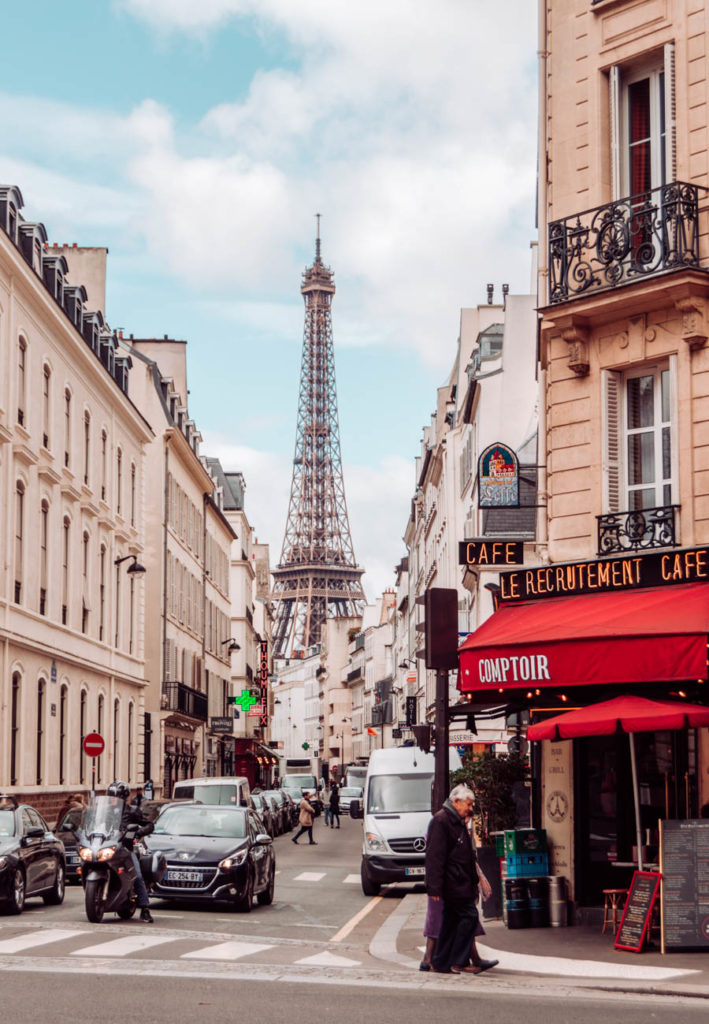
x=637, y=912
x=685, y=885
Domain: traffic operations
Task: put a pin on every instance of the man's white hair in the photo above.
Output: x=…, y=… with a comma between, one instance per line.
x=461, y=792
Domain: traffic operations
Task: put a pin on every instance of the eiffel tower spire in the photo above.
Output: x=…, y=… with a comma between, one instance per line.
x=317, y=577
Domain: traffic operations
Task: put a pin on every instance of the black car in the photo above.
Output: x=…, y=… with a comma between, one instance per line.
x=260, y=803
x=214, y=852
x=31, y=857
x=66, y=831
x=282, y=811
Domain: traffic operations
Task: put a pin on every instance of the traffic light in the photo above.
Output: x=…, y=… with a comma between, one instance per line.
x=440, y=627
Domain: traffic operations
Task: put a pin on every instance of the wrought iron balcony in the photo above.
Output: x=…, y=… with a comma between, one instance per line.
x=638, y=530
x=624, y=241
x=185, y=700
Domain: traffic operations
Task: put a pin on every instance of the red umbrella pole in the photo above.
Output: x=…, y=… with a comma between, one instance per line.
x=636, y=800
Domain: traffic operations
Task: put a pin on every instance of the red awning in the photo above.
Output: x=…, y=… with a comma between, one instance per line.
x=631, y=636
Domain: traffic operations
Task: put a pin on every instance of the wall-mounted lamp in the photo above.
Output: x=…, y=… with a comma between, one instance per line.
x=406, y=662
x=233, y=646
x=134, y=567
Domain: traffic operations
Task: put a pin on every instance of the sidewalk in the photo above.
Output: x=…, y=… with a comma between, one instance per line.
x=580, y=952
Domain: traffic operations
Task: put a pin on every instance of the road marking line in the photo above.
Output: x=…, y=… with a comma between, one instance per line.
x=226, y=951
x=21, y=942
x=352, y=880
x=310, y=876
x=326, y=959
x=354, y=921
x=122, y=947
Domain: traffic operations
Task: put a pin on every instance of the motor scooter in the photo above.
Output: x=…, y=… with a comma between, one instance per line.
x=107, y=871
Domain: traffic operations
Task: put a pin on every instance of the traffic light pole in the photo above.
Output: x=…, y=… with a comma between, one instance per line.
x=440, y=772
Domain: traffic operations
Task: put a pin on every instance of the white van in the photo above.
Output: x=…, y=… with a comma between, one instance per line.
x=233, y=790
x=396, y=813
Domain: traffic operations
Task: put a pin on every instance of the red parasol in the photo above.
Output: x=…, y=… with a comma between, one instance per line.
x=629, y=714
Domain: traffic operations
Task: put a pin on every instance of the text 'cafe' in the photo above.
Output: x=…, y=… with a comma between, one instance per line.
x=572, y=635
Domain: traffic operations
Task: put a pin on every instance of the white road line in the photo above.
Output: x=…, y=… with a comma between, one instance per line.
x=326, y=959
x=310, y=876
x=354, y=921
x=123, y=947
x=21, y=942
x=226, y=951
x=352, y=880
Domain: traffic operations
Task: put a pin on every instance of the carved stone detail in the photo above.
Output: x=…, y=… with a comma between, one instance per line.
x=694, y=325
x=576, y=338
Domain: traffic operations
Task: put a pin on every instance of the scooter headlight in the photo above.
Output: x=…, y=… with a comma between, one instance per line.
x=106, y=853
x=85, y=853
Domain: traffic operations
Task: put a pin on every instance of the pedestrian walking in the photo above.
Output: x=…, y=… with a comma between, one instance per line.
x=326, y=810
x=305, y=820
x=334, y=805
x=452, y=880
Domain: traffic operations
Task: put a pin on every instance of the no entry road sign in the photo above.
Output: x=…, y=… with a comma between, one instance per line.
x=94, y=744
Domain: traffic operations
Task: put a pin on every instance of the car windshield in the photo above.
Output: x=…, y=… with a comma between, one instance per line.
x=103, y=815
x=278, y=797
x=398, y=793
x=7, y=822
x=299, y=782
x=351, y=791
x=201, y=821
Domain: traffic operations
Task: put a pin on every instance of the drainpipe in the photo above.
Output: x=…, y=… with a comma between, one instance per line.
x=205, y=504
x=542, y=284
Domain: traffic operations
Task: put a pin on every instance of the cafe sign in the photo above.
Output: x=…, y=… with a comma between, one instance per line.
x=498, y=477
x=487, y=551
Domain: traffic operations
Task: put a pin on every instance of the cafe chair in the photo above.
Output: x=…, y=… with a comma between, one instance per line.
x=613, y=903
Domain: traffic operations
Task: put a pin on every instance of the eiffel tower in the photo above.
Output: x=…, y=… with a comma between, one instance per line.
x=317, y=577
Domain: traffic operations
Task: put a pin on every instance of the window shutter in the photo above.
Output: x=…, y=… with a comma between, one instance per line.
x=616, y=157
x=611, y=383
x=674, y=434
x=670, y=114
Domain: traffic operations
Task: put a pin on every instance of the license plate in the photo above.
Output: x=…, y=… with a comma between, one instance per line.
x=416, y=871
x=185, y=876
x=72, y=859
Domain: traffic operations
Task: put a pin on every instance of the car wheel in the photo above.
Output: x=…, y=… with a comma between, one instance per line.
x=369, y=887
x=244, y=902
x=56, y=894
x=16, y=900
x=265, y=898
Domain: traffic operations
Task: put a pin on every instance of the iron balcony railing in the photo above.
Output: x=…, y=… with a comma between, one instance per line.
x=638, y=530
x=185, y=700
x=624, y=241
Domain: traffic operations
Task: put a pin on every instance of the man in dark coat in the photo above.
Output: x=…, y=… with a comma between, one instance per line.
x=452, y=876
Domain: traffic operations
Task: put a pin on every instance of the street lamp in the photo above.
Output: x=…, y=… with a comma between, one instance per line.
x=233, y=646
x=406, y=662
x=134, y=567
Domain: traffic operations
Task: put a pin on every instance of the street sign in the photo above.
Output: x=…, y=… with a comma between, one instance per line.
x=93, y=744
x=410, y=711
x=221, y=724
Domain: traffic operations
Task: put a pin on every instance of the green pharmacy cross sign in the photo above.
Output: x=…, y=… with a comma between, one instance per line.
x=246, y=700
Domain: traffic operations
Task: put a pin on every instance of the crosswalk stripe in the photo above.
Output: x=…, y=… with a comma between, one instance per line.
x=326, y=959
x=310, y=876
x=352, y=879
x=125, y=945
x=226, y=951
x=39, y=938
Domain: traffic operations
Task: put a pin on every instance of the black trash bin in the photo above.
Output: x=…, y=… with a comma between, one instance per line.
x=538, y=902
x=517, y=902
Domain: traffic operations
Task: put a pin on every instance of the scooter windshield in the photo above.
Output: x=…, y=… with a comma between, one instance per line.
x=103, y=816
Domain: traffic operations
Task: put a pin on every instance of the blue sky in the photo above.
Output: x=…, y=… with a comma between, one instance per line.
x=197, y=141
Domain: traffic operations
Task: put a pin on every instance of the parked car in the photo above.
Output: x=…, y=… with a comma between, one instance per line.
x=347, y=794
x=32, y=861
x=223, y=789
x=292, y=808
x=214, y=852
x=264, y=810
x=282, y=811
x=66, y=831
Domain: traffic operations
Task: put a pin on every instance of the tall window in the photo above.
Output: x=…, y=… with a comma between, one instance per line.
x=119, y=480
x=132, y=494
x=63, y=703
x=67, y=428
x=645, y=127
x=66, y=537
x=102, y=592
x=41, y=694
x=104, y=463
x=15, y=728
x=46, y=416
x=21, y=380
x=19, y=538
x=87, y=445
x=43, y=555
x=85, y=542
x=82, y=734
x=99, y=759
x=132, y=615
x=116, y=718
x=129, y=773
x=117, y=635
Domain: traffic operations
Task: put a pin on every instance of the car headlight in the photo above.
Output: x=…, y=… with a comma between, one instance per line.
x=375, y=842
x=3, y=862
x=234, y=861
x=106, y=853
x=85, y=853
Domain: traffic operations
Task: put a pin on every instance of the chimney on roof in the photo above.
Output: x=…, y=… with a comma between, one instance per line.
x=490, y=290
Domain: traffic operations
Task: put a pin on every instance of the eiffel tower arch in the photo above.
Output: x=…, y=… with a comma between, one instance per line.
x=317, y=577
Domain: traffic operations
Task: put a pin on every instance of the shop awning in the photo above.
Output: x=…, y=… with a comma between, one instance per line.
x=632, y=636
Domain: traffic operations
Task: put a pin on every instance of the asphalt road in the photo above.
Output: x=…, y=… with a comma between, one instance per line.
x=306, y=957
